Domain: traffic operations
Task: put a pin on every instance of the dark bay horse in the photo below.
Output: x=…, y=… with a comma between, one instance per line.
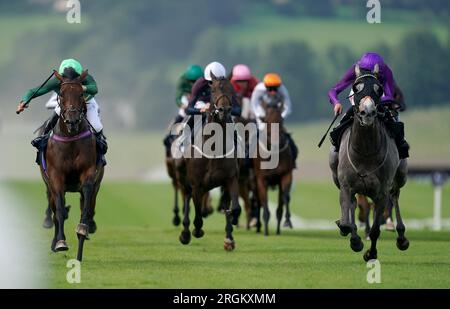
x=176, y=169
x=206, y=172
x=71, y=164
x=281, y=175
x=368, y=163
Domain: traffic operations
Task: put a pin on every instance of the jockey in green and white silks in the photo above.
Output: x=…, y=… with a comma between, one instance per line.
x=73, y=68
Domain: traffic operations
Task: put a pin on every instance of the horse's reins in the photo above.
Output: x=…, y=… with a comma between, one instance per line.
x=81, y=110
x=215, y=111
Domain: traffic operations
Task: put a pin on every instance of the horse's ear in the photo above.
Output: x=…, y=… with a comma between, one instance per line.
x=213, y=77
x=58, y=76
x=376, y=69
x=83, y=76
x=357, y=70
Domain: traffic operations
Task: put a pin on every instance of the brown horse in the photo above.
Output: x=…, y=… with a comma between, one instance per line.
x=71, y=164
x=281, y=175
x=176, y=170
x=205, y=173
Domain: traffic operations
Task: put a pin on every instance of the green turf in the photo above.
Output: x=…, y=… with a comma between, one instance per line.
x=136, y=246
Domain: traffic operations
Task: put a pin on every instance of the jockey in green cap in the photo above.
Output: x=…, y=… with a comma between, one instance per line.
x=69, y=68
x=183, y=94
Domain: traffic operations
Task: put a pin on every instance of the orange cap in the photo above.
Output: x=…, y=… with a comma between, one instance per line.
x=272, y=80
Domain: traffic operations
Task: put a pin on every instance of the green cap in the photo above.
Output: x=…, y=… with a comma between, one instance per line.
x=70, y=63
x=193, y=72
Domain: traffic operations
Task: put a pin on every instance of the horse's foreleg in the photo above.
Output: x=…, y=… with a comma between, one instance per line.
x=355, y=241
x=286, y=184
x=345, y=200
x=380, y=204
x=176, y=218
x=61, y=216
x=262, y=195
x=82, y=229
x=402, y=241
x=198, y=197
x=233, y=189
x=231, y=215
x=185, y=236
x=48, y=221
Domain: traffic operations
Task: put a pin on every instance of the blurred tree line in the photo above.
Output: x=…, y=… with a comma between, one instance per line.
x=138, y=51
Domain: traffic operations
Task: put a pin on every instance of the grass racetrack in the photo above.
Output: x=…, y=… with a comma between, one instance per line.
x=136, y=246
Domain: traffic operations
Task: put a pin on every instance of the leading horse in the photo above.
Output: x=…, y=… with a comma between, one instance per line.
x=368, y=163
x=70, y=163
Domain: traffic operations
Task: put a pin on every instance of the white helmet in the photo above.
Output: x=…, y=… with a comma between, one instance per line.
x=216, y=69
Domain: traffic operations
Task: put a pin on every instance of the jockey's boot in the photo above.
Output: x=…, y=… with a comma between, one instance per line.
x=102, y=146
x=397, y=129
x=294, y=149
x=336, y=133
x=101, y=142
x=169, y=138
x=40, y=141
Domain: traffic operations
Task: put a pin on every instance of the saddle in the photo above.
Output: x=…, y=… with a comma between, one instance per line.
x=41, y=143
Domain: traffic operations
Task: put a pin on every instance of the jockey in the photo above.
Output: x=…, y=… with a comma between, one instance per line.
x=244, y=83
x=183, y=95
x=367, y=63
x=269, y=87
x=201, y=92
x=69, y=68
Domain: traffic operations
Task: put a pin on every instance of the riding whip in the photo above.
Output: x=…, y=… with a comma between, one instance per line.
x=40, y=87
x=326, y=133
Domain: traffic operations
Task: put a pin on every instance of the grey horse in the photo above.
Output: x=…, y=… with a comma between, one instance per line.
x=368, y=163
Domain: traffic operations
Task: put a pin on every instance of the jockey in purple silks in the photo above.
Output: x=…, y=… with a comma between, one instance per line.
x=385, y=76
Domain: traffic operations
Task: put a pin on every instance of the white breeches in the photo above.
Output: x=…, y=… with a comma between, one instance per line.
x=92, y=114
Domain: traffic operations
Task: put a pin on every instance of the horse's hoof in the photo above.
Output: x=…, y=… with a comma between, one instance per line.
x=48, y=223
x=369, y=256
x=61, y=245
x=402, y=244
x=185, y=238
x=356, y=244
x=198, y=233
x=288, y=224
x=176, y=221
x=253, y=222
x=344, y=229
x=229, y=244
x=92, y=227
x=82, y=230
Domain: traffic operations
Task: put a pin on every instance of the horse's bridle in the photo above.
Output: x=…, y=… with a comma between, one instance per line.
x=81, y=110
x=356, y=105
x=216, y=110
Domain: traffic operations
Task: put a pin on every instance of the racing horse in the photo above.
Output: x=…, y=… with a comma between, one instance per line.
x=206, y=171
x=368, y=163
x=282, y=174
x=70, y=163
